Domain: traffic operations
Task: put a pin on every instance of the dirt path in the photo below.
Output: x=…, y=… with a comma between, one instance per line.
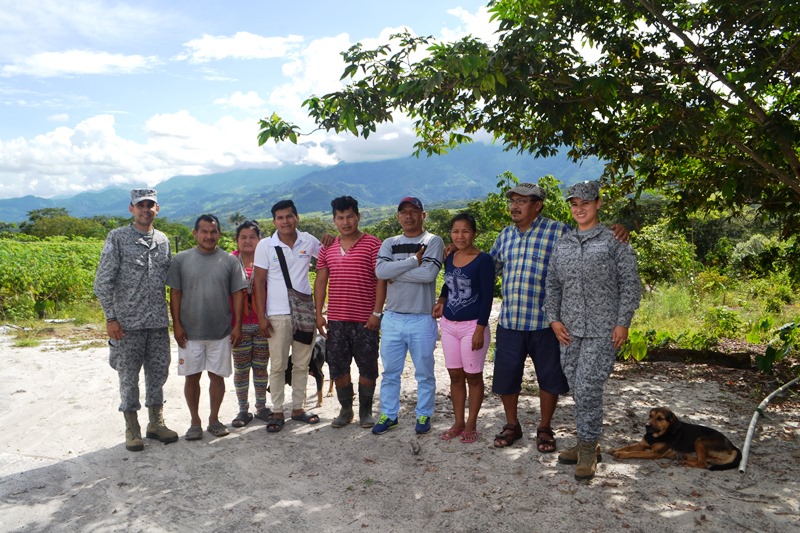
x=63, y=466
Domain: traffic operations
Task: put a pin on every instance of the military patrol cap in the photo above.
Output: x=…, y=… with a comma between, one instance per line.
x=585, y=190
x=527, y=189
x=139, y=195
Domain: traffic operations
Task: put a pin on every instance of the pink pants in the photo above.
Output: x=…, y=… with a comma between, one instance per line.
x=457, y=345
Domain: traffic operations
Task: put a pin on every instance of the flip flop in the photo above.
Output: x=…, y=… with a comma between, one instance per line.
x=264, y=413
x=451, y=433
x=242, y=419
x=275, y=424
x=468, y=437
x=308, y=418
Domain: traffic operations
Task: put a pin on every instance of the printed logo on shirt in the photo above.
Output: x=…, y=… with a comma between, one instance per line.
x=459, y=288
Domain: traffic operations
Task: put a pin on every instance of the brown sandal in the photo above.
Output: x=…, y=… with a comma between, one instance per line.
x=510, y=433
x=545, y=444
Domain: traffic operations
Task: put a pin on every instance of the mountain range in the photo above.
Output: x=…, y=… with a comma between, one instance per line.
x=465, y=174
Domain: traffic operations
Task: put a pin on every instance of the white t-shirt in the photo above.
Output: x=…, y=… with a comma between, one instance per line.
x=298, y=260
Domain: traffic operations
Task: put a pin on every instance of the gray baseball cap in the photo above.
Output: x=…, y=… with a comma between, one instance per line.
x=139, y=195
x=527, y=189
x=585, y=190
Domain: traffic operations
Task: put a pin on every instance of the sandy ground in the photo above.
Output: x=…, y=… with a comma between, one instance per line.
x=64, y=467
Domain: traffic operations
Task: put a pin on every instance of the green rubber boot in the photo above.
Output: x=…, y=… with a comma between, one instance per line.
x=365, y=395
x=345, y=395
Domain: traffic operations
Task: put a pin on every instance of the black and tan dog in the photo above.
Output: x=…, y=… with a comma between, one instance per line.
x=667, y=437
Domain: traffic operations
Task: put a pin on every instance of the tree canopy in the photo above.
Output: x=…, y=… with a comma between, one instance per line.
x=697, y=99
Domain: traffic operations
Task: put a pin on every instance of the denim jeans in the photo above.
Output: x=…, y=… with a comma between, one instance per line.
x=400, y=334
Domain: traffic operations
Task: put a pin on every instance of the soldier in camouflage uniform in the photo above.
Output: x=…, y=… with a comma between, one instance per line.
x=592, y=291
x=130, y=284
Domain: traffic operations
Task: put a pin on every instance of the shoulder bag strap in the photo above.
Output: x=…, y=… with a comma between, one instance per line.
x=284, y=268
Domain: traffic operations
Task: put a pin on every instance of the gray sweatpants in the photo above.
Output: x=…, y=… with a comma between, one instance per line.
x=142, y=348
x=587, y=362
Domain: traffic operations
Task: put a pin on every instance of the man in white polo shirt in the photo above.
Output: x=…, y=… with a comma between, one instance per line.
x=274, y=311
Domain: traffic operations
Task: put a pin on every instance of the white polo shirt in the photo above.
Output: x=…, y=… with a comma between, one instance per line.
x=298, y=260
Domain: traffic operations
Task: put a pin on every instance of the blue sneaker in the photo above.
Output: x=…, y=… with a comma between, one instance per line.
x=384, y=424
x=423, y=424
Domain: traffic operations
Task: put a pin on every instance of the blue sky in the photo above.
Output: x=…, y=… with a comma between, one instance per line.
x=96, y=93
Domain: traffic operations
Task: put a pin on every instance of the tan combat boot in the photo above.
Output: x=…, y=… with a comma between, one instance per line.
x=156, y=429
x=587, y=460
x=570, y=456
x=133, y=433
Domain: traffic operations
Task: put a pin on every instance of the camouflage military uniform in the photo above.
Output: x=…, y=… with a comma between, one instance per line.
x=130, y=284
x=592, y=286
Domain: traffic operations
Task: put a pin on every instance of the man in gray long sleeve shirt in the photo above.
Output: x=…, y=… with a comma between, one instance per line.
x=130, y=285
x=410, y=263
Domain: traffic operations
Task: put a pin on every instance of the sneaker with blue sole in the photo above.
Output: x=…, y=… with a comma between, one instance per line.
x=423, y=424
x=384, y=424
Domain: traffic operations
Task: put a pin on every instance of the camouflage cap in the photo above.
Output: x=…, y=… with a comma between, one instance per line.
x=585, y=190
x=139, y=195
x=527, y=189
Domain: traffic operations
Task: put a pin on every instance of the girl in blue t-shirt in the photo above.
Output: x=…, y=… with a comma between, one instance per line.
x=464, y=306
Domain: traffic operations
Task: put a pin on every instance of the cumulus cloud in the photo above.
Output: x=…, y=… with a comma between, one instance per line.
x=59, y=117
x=248, y=101
x=242, y=45
x=75, y=62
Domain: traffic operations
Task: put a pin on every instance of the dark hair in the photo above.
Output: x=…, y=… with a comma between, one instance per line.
x=247, y=224
x=284, y=204
x=468, y=218
x=207, y=218
x=343, y=203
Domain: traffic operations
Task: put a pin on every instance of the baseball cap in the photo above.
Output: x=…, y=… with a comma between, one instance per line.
x=139, y=195
x=527, y=189
x=410, y=200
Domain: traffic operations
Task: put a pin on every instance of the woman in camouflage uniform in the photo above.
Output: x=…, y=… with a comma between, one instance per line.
x=592, y=291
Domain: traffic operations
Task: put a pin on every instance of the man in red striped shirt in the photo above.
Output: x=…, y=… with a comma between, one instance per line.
x=346, y=273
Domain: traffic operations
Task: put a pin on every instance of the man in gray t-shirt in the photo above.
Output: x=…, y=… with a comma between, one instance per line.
x=201, y=281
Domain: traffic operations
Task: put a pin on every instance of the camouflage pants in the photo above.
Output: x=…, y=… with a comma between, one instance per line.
x=587, y=362
x=142, y=348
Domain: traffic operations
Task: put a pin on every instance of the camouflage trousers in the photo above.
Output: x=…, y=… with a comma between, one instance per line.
x=142, y=348
x=587, y=362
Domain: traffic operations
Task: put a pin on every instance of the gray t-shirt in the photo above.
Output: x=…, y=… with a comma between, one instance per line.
x=206, y=282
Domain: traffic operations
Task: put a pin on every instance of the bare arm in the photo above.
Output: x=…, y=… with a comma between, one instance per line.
x=320, y=294
x=260, y=300
x=175, y=310
x=238, y=304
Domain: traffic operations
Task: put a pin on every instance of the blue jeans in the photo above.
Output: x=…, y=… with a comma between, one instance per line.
x=401, y=334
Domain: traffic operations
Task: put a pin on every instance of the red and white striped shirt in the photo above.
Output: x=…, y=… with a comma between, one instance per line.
x=351, y=278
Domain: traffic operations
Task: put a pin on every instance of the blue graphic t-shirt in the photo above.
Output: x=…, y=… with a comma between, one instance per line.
x=469, y=289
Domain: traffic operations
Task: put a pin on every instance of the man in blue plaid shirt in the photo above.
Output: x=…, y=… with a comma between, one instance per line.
x=521, y=253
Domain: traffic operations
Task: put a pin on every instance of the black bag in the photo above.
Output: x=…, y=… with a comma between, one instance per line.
x=304, y=314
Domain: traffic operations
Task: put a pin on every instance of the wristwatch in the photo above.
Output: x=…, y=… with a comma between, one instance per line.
x=377, y=314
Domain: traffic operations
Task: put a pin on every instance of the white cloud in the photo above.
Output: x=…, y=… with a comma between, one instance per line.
x=77, y=62
x=60, y=117
x=243, y=45
x=477, y=24
x=30, y=27
x=249, y=100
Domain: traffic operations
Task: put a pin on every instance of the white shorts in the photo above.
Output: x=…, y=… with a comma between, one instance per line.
x=212, y=356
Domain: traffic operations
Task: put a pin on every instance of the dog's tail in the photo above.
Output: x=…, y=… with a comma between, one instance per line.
x=729, y=466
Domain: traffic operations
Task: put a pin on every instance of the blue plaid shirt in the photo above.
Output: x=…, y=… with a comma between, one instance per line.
x=522, y=259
